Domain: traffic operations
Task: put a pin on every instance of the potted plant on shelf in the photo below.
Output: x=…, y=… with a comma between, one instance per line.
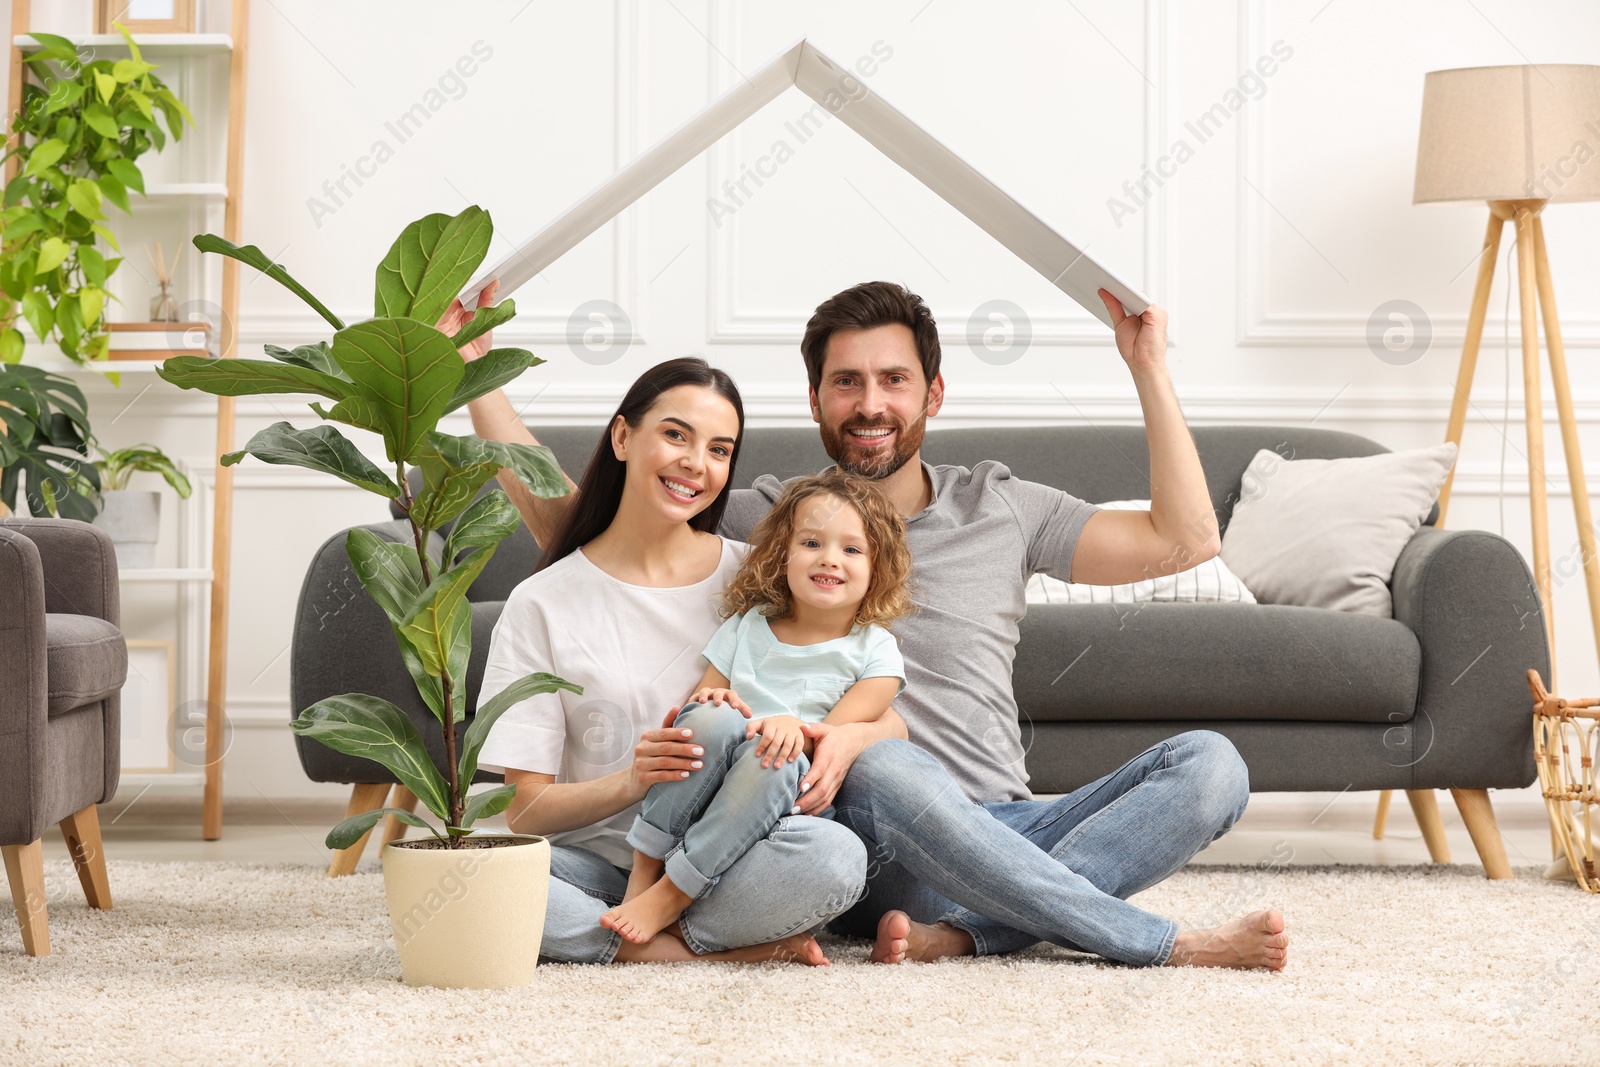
x=44, y=445
x=467, y=910
x=132, y=517
x=76, y=139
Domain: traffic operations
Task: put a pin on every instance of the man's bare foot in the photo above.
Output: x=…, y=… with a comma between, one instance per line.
x=647, y=871
x=646, y=915
x=900, y=939
x=1259, y=940
x=801, y=948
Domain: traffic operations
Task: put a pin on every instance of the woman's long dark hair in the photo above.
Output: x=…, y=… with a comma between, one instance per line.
x=600, y=491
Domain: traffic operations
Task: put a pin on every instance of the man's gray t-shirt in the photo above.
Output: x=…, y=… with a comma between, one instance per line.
x=973, y=549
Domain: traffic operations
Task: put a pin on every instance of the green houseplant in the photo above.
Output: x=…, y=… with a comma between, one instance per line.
x=132, y=517
x=77, y=139
x=396, y=375
x=44, y=445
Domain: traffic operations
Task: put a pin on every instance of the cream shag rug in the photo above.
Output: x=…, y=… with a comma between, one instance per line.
x=213, y=963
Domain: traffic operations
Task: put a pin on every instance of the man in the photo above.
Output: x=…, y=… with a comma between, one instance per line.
x=964, y=860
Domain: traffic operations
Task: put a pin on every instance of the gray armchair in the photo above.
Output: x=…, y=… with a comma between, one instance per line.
x=62, y=664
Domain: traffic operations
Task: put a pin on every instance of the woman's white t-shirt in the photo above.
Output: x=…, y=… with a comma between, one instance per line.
x=636, y=650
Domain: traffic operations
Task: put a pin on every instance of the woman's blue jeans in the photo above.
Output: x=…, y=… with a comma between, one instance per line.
x=703, y=823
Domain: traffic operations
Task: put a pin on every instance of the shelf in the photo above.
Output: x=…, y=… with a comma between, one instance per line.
x=164, y=574
x=175, y=190
x=151, y=44
x=102, y=367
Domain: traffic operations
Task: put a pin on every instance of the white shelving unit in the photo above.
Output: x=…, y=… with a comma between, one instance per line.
x=187, y=192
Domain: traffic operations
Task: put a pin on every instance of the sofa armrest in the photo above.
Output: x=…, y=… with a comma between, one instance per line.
x=344, y=643
x=1469, y=597
x=80, y=566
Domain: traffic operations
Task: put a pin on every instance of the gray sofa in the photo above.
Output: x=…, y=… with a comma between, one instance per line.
x=1314, y=700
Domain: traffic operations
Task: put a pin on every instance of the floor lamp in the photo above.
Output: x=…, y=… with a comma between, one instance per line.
x=1518, y=137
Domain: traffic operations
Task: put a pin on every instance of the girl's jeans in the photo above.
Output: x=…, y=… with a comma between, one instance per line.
x=801, y=874
x=703, y=823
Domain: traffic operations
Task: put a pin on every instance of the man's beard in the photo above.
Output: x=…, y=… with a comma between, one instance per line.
x=876, y=464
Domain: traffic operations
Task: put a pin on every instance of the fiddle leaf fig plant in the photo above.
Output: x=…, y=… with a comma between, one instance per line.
x=397, y=376
x=77, y=139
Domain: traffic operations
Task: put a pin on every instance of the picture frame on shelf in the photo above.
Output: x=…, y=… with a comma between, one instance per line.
x=145, y=16
x=149, y=708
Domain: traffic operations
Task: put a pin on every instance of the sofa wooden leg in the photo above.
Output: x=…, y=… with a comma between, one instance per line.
x=1425, y=806
x=1477, y=813
x=1382, y=817
x=393, y=828
x=364, y=796
x=82, y=832
x=25, y=872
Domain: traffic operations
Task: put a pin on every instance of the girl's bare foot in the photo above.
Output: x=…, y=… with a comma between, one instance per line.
x=801, y=948
x=646, y=915
x=900, y=939
x=646, y=872
x=1259, y=940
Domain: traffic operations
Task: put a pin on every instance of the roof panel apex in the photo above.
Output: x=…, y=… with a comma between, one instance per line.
x=880, y=124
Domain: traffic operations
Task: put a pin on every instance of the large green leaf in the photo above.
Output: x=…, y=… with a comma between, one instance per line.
x=487, y=803
x=489, y=712
x=351, y=830
x=453, y=470
x=321, y=448
x=439, y=626
x=429, y=263
x=408, y=368
x=390, y=572
x=488, y=521
x=249, y=377
x=252, y=256
x=483, y=320
x=490, y=371
x=534, y=465
x=315, y=356
x=372, y=728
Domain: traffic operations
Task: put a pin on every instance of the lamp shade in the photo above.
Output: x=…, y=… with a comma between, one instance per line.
x=1510, y=133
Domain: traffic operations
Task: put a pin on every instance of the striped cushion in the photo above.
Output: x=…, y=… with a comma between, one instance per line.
x=1211, y=582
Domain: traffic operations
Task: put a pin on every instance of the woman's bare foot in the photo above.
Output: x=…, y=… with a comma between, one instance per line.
x=646, y=915
x=900, y=939
x=647, y=871
x=801, y=948
x=1259, y=940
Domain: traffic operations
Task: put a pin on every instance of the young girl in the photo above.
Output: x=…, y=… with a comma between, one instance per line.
x=804, y=642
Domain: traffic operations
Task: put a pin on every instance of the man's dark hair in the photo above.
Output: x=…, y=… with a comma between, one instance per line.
x=862, y=307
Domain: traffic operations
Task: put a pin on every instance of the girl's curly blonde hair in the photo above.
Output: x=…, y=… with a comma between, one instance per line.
x=762, y=582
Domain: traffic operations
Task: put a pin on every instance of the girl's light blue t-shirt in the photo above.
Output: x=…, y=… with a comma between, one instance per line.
x=805, y=681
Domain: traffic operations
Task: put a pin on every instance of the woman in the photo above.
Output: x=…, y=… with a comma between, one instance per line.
x=622, y=605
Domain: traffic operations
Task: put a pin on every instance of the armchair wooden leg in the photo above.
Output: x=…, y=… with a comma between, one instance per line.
x=1477, y=813
x=25, y=872
x=1425, y=806
x=364, y=796
x=82, y=832
x=393, y=828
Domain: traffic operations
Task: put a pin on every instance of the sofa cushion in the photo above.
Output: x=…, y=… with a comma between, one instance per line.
x=1088, y=662
x=86, y=659
x=1325, y=533
x=1210, y=582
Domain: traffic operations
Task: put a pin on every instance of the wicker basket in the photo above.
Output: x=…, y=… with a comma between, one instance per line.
x=1566, y=746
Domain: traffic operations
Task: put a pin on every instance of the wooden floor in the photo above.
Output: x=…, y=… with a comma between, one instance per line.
x=1300, y=828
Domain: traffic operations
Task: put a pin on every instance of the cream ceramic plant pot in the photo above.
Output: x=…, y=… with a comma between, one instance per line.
x=472, y=917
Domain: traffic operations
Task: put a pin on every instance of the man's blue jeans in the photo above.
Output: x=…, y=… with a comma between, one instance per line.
x=701, y=824
x=1015, y=873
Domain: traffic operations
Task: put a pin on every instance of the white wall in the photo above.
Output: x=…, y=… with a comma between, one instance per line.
x=1271, y=245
